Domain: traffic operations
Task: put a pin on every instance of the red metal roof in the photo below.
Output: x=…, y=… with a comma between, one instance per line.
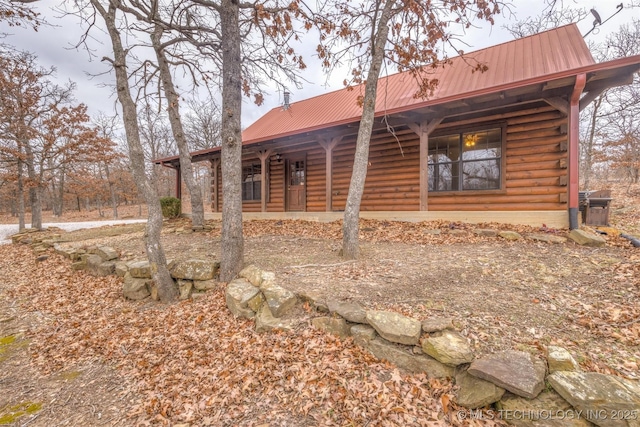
x=521, y=60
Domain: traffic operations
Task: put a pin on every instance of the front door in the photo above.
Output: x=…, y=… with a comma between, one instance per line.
x=296, y=184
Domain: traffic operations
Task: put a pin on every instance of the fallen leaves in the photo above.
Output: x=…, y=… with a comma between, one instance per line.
x=193, y=362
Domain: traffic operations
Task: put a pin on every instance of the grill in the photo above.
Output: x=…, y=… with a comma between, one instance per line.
x=594, y=206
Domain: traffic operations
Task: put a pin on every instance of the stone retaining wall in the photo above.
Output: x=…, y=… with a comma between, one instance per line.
x=525, y=389
x=528, y=390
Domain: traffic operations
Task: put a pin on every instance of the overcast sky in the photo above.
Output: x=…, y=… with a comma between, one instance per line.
x=54, y=47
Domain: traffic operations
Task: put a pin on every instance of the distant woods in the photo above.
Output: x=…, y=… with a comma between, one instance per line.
x=55, y=157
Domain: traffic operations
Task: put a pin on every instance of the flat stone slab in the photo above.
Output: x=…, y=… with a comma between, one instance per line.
x=279, y=299
x=266, y=322
x=476, y=393
x=195, y=269
x=121, y=268
x=253, y=274
x=585, y=238
x=268, y=278
x=106, y=268
x=256, y=302
x=547, y=238
x=403, y=359
x=605, y=400
x=332, y=325
x=205, y=285
x=450, y=348
x=65, y=252
x=351, y=311
x=135, y=289
x=549, y=409
x=515, y=371
x=237, y=295
x=185, y=287
x=395, y=327
x=93, y=261
x=559, y=359
x=509, y=235
x=437, y=324
x=140, y=269
x=362, y=334
x=107, y=253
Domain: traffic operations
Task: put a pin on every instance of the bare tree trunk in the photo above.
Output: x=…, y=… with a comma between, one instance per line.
x=351, y=226
x=57, y=193
x=112, y=192
x=167, y=290
x=588, y=152
x=232, y=241
x=34, y=190
x=197, y=208
x=21, y=221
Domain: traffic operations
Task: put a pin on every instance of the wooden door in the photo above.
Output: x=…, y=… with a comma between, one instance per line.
x=296, y=184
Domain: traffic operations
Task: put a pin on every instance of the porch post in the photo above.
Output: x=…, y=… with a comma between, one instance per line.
x=423, y=129
x=178, y=184
x=214, y=185
x=328, y=146
x=263, y=156
x=574, y=129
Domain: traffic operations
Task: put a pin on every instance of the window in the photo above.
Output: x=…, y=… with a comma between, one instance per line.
x=251, y=182
x=466, y=161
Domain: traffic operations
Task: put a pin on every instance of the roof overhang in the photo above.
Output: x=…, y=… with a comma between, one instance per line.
x=554, y=89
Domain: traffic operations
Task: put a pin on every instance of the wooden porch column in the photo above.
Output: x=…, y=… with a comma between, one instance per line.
x=574, y=130
x=178, y=184
x=423, y=129
x=215, y=163
x=329, y=145
x=263, y=156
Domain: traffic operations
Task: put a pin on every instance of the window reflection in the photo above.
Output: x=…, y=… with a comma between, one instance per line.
x=478, y=168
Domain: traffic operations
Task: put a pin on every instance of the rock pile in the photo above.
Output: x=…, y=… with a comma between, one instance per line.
x=193, y=276
x=513, y=381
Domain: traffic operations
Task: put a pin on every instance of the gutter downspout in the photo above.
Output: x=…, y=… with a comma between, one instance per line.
x=574, y=129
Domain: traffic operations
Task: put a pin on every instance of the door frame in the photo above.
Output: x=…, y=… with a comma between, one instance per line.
x=287, y=170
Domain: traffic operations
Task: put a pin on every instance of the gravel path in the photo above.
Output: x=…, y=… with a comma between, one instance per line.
x=7, y=230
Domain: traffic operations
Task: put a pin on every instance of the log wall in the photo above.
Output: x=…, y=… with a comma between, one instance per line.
x=535, y=172
x=534, y=169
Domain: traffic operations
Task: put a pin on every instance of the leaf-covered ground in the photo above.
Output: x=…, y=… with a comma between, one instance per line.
x=192, y=362
x=91, y=358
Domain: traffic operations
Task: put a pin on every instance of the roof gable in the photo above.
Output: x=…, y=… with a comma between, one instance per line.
x=508, y=63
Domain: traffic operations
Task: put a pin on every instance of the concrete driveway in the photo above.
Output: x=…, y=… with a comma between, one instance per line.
x=7, y=230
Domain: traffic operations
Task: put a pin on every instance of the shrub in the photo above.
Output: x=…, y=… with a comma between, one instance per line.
x=170, y=207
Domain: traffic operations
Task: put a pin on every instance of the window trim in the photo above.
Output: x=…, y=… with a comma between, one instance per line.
x=252, y=165
x=453, y=130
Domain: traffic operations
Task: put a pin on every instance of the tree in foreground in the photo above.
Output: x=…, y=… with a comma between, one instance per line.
x=108, y=12
x=408, y=34
x=252, y=43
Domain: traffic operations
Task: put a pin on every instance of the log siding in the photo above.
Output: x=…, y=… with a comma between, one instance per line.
x=534, y=173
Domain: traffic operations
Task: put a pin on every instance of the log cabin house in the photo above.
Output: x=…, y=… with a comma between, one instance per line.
x=496, y=146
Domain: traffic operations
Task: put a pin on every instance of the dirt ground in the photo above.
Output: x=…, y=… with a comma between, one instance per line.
x=524, y=294
x=75, y=353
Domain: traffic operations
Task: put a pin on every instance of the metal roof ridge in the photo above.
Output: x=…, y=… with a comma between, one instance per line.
x=423, y=66
x=628, y=60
